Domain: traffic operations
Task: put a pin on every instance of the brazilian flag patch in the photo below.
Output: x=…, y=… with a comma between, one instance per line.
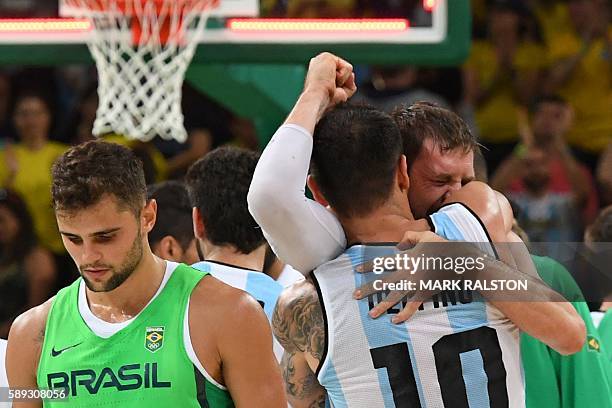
x=593, y=344
x=154, y=338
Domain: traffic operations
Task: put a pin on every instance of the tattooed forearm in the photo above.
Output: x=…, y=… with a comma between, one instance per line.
x=298, y=320
x=288, y=373
x=300, y=382
x=299, y=326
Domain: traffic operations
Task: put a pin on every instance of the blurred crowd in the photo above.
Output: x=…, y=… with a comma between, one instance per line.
x=536, y=88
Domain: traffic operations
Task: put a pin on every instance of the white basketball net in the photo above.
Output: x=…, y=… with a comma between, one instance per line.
x=140, y=84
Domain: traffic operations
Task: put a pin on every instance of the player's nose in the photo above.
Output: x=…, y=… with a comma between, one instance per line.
x=90, y=254
x=454, y=186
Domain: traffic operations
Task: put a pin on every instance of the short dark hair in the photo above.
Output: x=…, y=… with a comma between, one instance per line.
x=218, y=185
x=173, y=213
x=601, y=229
x=424, y=120
x=84, y=173
x=355, y=153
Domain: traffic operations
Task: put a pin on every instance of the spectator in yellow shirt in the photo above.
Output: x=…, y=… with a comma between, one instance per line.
x=26, y=166
x=502, y=74
x=581, y=72
x=553, y=18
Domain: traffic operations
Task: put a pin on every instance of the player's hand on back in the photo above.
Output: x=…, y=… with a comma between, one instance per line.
x=413, y=245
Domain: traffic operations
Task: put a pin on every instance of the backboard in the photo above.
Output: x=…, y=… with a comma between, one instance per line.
x=432, y=32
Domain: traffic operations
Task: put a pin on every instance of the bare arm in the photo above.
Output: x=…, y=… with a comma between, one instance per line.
x=232, y=339
x=250, y=369
x=552, y=320
x=23, y=351
x=298, y=326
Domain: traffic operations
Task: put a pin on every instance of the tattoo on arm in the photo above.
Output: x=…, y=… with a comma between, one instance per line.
x=298, y=322
x=300, y=382
x=299, y=327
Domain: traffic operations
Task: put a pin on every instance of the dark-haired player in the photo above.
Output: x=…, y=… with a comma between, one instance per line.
x=136, y=330
x=232, y=244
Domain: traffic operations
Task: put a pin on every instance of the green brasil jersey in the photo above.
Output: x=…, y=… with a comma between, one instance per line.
x=143, y=365
x=555, y=381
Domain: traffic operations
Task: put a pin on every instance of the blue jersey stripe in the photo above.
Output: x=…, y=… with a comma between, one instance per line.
x=333, y=387
x=475, y=379
x=446, y=227
x=265, y=289
x=257, y=284
x=465, y=317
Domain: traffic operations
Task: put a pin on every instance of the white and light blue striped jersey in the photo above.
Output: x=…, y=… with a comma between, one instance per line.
x=257, y=284
x=455, y=351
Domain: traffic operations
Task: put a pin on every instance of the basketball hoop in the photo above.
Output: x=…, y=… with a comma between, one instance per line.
x=142, y=49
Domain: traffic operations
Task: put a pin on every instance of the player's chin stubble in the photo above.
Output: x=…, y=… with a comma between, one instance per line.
x=124, y=271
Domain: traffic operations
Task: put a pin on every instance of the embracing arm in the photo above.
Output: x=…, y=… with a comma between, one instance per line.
x=298, y=326
x=549, y=317
x=302, y=232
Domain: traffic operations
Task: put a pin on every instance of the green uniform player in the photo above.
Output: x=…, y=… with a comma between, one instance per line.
x=579, y=380
x=144, y=364
x=135, y=330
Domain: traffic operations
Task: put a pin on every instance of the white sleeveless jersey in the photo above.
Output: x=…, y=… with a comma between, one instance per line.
x=456, y=351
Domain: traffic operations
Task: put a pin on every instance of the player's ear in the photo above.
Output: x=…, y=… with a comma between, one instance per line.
x=316, y=191
x=148, y=216
x=169, y=248
x=199, y=229
x=403, y=180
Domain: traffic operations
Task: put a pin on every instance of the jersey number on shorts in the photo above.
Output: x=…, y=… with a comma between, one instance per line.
x=396, y=359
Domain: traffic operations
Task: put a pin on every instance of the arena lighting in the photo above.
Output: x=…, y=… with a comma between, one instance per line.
x=429, y=5
x=317, y=24
x=41, y=25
